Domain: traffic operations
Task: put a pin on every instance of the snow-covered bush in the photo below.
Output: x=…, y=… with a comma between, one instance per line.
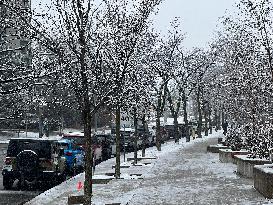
x=235, y=137
x=261, y=140
x=243, y=86
x=257, y=138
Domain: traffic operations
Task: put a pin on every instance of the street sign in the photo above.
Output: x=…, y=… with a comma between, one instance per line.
x=125, y=120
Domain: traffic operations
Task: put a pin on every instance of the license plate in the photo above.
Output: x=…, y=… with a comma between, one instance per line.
x=7, y=167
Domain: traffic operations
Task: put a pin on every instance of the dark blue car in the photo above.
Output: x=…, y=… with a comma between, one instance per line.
x=74, y=156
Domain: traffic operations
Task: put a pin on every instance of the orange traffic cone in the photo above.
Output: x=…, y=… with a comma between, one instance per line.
x=79, y=185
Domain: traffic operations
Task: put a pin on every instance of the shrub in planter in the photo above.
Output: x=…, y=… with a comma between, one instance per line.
x=256, y=138
x=234, y=138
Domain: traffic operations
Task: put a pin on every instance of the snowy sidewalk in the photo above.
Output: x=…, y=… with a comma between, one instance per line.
x=182, y=174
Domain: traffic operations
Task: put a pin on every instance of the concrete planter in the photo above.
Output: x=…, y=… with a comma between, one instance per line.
x=227, y=155
x=101, y=181
x=75, y=200
x=215, y=148
x=140, y=158
x=245, y=165
x=263, y=179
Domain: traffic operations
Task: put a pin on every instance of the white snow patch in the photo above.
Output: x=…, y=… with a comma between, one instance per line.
x=154, y=188
x=247, y=158
x=266, y=168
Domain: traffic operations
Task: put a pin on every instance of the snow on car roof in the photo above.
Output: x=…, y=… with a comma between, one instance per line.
x=35, y=139
x=65, y=140
x=127, y=129
x=74, y=134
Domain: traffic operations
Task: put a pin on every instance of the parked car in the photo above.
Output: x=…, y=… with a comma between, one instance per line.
x=145, y=136
x=127, y=139
x=32, y=161
x=74, y=156
x=169, y=131
x=79, y=141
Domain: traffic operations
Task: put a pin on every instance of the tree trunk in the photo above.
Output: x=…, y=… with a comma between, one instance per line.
x=40, y=122
x=222, y=117
x=210, y=123
x=86, y=114
x=158, y=132
x=136, y=136
x=176, y=133
x=199, y=125
x=185, y=115
x=144, y=139
x=95, y=116
x=206, y=119
x=206, y=124
x=215, y=120
x=117, y=167
x=88, y=151
x=218, y=121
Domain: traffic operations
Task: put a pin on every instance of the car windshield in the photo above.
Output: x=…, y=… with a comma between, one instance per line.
x=77, y=140
x=42, y=148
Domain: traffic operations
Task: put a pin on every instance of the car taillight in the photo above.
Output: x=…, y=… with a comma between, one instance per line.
x=8, y=161
x=68, y=153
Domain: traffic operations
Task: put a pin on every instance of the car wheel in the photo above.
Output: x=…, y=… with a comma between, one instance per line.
x=7, y=182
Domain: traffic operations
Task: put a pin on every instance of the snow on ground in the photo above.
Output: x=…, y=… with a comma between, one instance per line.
x=248, y=158
x=6, y=135
x=182, y=174
x=266, y=168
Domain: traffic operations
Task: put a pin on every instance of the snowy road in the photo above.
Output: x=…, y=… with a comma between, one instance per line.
x=16, y=197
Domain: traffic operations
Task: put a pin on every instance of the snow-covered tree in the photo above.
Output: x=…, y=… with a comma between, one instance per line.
x=126, y=28
x=244, y=80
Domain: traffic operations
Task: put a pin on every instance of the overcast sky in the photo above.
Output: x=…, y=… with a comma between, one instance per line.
x=199, y=18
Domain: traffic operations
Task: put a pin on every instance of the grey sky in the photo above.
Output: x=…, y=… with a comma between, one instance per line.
x=198, y=18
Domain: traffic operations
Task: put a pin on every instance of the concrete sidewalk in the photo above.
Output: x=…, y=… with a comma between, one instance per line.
x=182, y=174
x=192, y=176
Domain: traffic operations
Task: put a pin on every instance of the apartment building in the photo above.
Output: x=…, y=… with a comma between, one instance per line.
x=15, y=45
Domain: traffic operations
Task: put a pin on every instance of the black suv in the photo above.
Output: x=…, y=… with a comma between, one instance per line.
x=32, y=161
